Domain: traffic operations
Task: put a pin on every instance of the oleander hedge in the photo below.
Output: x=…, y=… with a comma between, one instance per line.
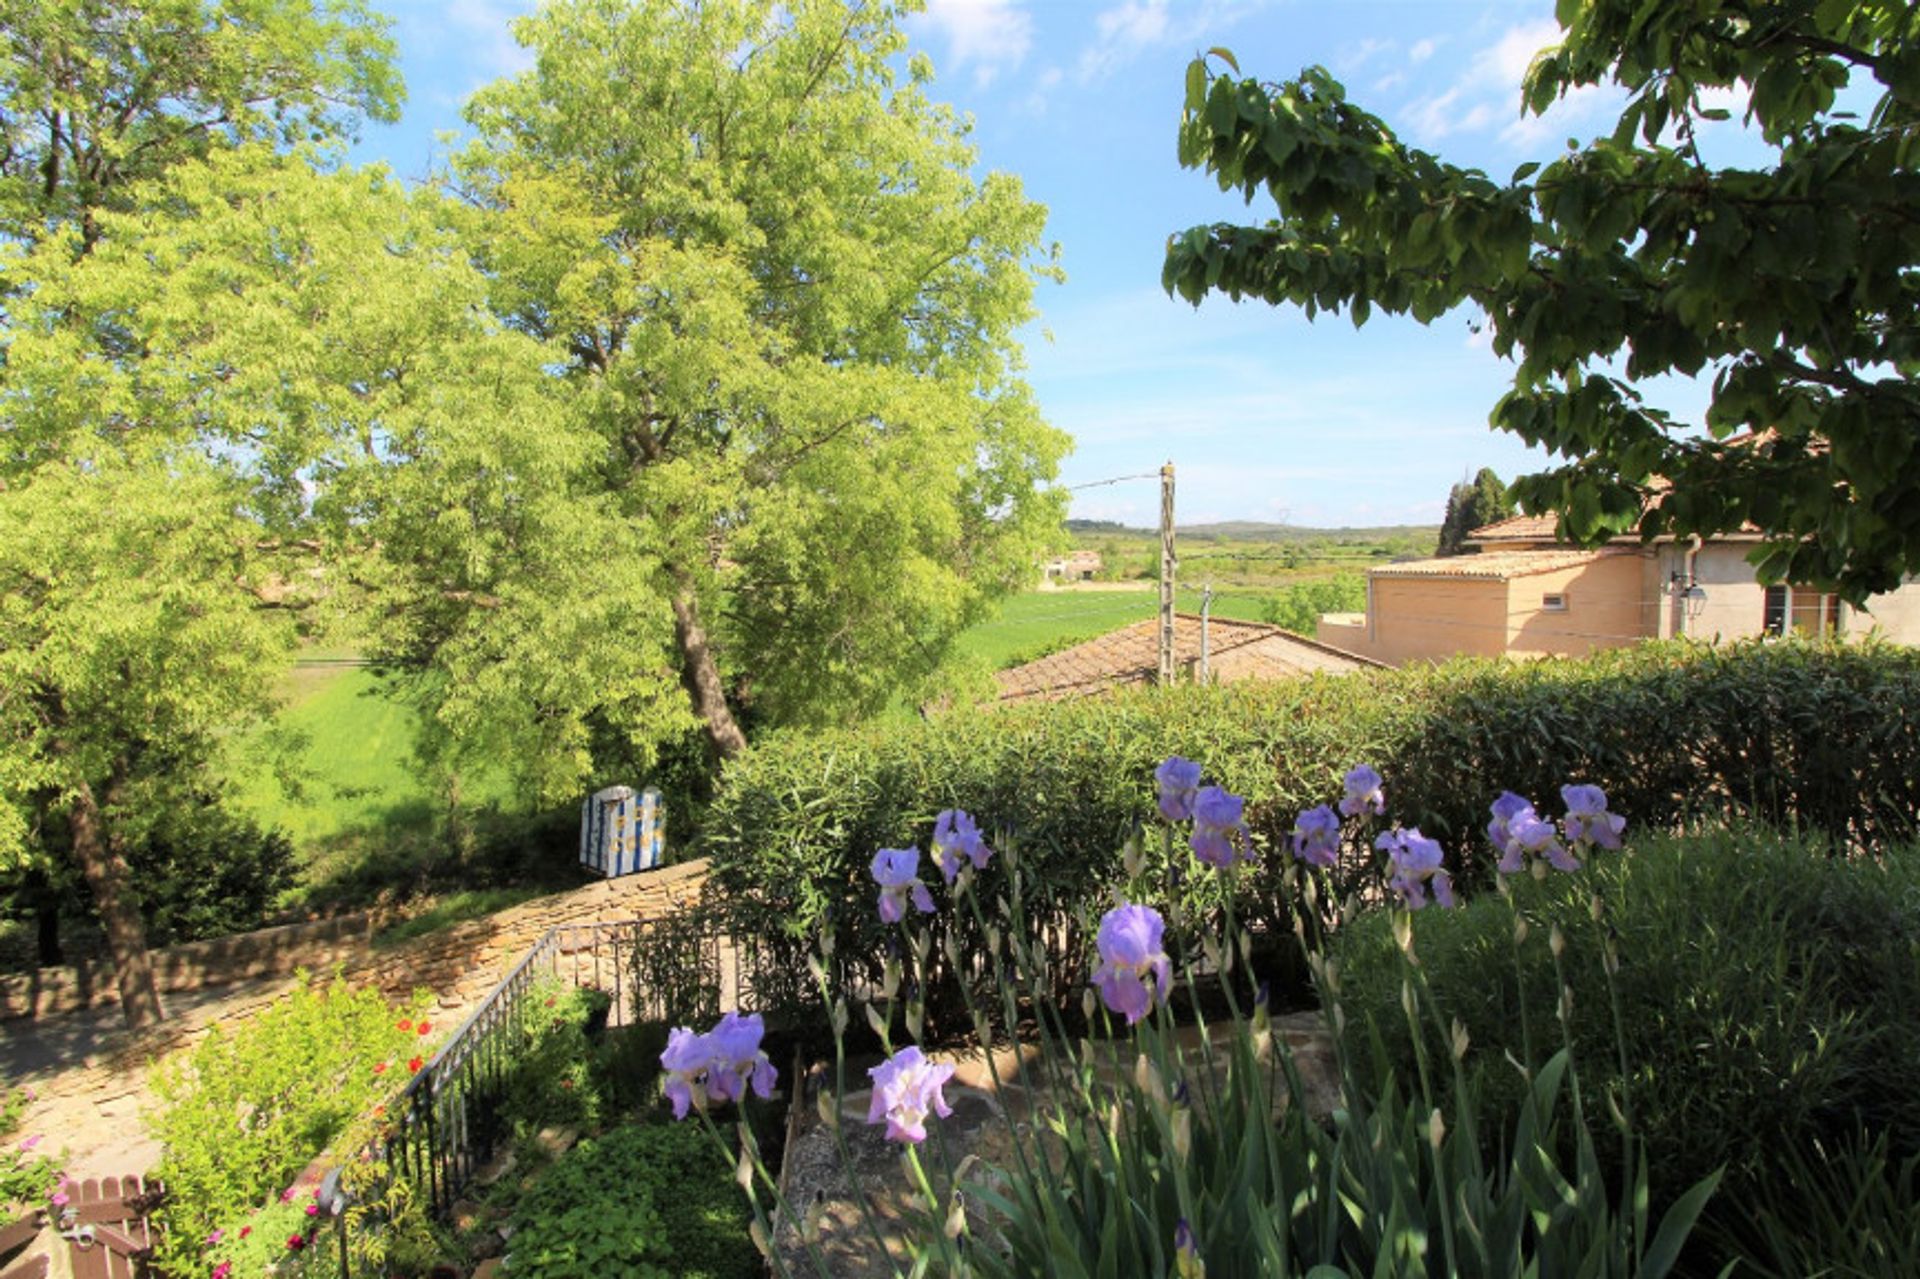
x=1823, y=738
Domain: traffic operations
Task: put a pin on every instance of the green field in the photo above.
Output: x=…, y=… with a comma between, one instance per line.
x=356, y=790
x=1041, y=622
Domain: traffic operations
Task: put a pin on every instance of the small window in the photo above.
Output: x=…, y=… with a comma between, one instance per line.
x=1774, y=619
x=1553, y=603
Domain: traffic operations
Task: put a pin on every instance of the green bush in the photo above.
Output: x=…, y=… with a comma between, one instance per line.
x=551, y=1081
x=646, y=1202
x=1848, y=1211
x=28, y=1177
x=1826, y=738
x=240, y=1114
x=1769, y=996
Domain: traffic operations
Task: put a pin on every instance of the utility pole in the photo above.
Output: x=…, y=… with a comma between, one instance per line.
x=1206, y=611
x=1167, y=563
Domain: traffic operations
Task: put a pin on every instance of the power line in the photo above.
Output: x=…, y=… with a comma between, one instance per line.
x=1118, y=479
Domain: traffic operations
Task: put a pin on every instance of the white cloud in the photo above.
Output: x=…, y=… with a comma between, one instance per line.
x=1122, y=33
x=484, y=27
x=990, y=36
x=1422, y=50
x=1489, y=91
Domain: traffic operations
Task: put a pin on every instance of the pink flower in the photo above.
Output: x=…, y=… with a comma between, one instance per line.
x=222, y=1270
x=286, y=1196
x=59, y=1199
x=30, y=1143
x=215, y=1237
x=313, y=1210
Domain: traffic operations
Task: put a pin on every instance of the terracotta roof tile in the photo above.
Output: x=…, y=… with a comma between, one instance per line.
x=1496, y=566
x=1131, y=655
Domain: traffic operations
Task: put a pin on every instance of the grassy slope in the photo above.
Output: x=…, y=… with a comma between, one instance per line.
x=1045, y=621
x=359, y=780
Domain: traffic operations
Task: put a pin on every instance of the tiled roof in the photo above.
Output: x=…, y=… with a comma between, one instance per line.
x=1131, y=655
x=1497, y=566
x=1518, y=528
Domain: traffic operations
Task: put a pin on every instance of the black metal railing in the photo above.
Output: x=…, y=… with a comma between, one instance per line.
x=447, y=1124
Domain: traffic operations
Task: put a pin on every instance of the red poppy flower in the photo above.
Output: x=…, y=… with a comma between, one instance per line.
x=405, y=1023
x=416, y=1063
x=425, y=1026
x=296, y=1242
x=380, y=1068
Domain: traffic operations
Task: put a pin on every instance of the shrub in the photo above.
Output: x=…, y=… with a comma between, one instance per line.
x=649, y=1201
x=551, y=1081
x=27, y=1175
x=1769, y=996
x=1823, y=738
x=206, y=871
x=240, y=1114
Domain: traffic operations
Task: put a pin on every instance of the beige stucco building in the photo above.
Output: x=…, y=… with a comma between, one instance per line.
x=1520, y=593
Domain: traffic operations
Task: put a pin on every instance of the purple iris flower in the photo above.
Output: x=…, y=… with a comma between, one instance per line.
x=1316, y=836
x=1178, y=780
x=1131, y=945
x=1186, y=1253
x=897, y=871
x=906, y=1089
x=737, y=1059
x=686, y=1060
x=1220, y=835
x=1520, y=833
x=1364, y=793
x=956, y=838
x=1588, y=821
x=1415, y=866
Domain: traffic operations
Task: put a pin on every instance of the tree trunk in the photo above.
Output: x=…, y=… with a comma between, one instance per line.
x=701, y=676
x=46, y=913
x=105, y=868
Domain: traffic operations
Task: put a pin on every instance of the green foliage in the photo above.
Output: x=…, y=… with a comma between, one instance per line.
x=1470, y=506
x=97, y=97
x=1298, y=607
x=126, y=648
x=643, y=1201
x=28, y=1176
x=1390, y=1185
x=206, y=871
x=1819, y=737
x=1765, y=990
x=1845, y=1210
x=551, y=1080
x=784, y=310
x=241, y=1113
x=1634, y=247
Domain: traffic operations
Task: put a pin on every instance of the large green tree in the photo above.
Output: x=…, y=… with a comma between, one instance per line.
x=136, y=507
x=1793, y=285
x=783, y=306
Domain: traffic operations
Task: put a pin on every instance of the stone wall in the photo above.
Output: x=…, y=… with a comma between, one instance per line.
x=456, y=963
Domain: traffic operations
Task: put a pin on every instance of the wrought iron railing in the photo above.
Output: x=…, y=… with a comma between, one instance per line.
x=447, y=1124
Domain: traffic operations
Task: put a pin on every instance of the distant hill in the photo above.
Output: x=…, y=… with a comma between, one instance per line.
x=1255, y=531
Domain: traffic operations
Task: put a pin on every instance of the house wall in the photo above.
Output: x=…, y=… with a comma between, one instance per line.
x=1430, y=619
x=1606, y=608
x=1896, y=615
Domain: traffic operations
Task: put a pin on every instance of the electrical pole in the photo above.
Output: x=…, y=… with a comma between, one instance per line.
x=1167, y=563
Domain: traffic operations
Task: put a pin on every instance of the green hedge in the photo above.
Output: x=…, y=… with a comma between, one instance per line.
x=1824, y=738
x=1769, y=1000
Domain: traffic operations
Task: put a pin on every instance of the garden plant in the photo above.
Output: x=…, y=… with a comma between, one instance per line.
x=1153, y=1157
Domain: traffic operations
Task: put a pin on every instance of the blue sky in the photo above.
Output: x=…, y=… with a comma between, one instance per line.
x=1265, y=416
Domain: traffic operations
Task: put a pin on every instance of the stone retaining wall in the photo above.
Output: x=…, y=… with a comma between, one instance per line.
x=451, y=963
